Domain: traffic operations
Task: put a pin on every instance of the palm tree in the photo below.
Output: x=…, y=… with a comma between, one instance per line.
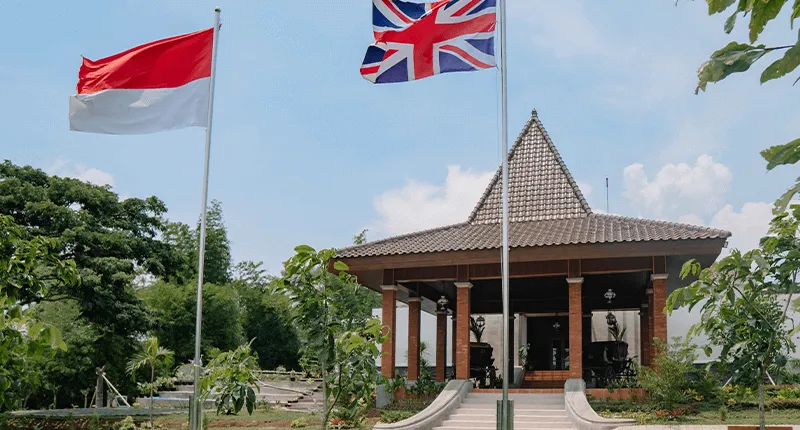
x=150, y=355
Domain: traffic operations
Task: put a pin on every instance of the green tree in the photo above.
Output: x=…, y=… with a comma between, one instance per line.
x=232, y=376
x=150, y=356
x=738, y=57
x=266, y=318
x=26, y=267
x=740, y=309
x=326, y=312
x=186, y=243
x=71, y=373
x=107, y=238
x=174, y=306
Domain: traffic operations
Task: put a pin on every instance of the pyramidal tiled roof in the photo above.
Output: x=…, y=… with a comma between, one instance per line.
x=539, y=183
x=546, y=208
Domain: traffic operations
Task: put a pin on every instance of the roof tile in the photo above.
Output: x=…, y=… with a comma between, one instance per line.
x=546, y=208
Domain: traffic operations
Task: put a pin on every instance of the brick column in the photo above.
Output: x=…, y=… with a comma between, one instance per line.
x=657, y=308
x=389, y=314
x=441, y=345
x=644, y=334
x=413, y=338
x=462, y=336
x=575, y=328
x=454, y=342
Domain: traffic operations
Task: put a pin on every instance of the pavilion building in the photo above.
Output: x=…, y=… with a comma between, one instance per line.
x=564, y=259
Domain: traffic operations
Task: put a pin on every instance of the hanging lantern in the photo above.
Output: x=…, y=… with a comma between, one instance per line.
x=481, y=322
x=610, y=295
x=442, y=304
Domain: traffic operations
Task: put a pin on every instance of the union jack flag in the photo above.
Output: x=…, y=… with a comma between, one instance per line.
x=417, y=40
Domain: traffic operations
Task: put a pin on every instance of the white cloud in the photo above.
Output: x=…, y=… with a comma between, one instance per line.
x=420, y=205
x=677, y=189
x=92, y=175
x=748, y=225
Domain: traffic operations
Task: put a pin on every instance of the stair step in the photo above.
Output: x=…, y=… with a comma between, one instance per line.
x=517, y=426
x=493, y=418
x=522, y=417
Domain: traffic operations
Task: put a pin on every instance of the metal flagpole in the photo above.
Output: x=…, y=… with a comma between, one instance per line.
x=506, y=408
x=198, y=407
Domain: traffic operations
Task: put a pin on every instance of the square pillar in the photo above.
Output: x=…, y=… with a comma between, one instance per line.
x=462, y=335
x=413, y=338
x=441, y=345
x=454, y=342
x=575, y=328
x=644, y=335
x=511, y=349
x=659, y=326
x=389, y=316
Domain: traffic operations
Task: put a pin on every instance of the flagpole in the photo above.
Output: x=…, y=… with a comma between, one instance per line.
x=202, y=254
x=506, y=420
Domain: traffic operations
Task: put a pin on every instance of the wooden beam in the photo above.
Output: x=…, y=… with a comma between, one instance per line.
x=659, y=264
x=388, y=277
x=462, y=273
x=574, y=269
x=616, y=265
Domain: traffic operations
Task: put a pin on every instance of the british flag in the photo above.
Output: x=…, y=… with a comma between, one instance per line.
x=417, y=40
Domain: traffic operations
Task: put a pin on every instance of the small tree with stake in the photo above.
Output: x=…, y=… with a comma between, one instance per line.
x=740, y=310
x=151, y=355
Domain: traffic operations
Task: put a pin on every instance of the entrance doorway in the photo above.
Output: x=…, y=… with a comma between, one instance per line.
x=549, y=340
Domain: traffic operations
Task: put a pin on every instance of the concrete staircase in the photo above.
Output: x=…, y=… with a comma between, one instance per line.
x=179, y=398
x=478, y=411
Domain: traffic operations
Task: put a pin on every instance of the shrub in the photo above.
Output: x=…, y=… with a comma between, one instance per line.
x=298, y=423
x=395, y=416
x=126, y=424
x=666, y=382
x=783, y=403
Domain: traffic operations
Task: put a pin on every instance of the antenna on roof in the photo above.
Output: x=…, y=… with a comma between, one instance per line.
x=608, y=211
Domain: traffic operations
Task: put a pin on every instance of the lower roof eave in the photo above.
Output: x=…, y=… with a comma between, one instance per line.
x=688, y=247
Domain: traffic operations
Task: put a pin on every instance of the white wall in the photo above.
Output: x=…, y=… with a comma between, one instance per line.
x=427, y=335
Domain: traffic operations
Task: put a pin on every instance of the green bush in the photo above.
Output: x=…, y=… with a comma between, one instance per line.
x=298, y=423
x=783, y=403
x=787, y=393
x=666, y=381
x=126, y=424
x=395, y=416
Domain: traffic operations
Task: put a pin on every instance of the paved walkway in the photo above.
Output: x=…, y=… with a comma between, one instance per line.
x=678, y=427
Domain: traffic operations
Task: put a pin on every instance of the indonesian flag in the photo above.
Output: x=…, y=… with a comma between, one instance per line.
x=162, y=85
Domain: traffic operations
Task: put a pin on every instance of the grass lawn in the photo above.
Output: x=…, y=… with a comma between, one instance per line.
x=260, y=420
x=712, y=417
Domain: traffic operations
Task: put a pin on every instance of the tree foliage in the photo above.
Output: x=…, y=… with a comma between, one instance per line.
x=266, y=318
x=27, y=267
x=739, y=57
x=68, y=376
x=740, y=309
x=106, y=237
x=232, y=376
x=327, y=312
x=150, y=356
x=186, y=243
x=174, y=308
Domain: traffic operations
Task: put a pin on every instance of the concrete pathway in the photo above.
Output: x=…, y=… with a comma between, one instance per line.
x=679, y=427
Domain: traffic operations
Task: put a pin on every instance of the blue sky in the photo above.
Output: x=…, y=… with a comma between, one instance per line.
x=306, y=151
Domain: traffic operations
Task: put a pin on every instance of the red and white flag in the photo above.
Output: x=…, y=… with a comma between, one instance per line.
x=162, y=85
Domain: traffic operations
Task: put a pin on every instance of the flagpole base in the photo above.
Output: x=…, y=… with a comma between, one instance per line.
x=505, y=415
